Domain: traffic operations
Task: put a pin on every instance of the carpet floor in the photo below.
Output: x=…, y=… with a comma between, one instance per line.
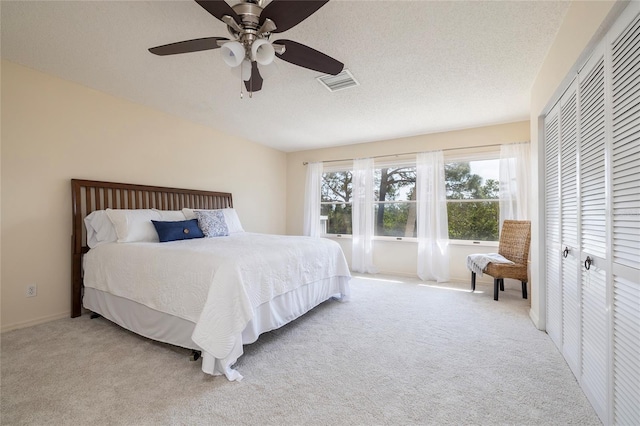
x=399, y=352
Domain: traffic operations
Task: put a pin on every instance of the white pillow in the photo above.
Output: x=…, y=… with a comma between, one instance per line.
x=189, y=213
x=230, y=217
x=170, y=215
x=134, y=225
x=99, y=229
x=233, y=221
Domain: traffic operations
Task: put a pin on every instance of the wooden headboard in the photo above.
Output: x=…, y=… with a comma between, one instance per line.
x=88, y=196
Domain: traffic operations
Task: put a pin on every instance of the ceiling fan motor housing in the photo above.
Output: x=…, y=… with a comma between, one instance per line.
x=249, y=13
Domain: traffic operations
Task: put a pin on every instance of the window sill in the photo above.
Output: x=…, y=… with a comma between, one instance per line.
x=415, y=240
x=350, y=237
x=337, y=236
x=473, y=243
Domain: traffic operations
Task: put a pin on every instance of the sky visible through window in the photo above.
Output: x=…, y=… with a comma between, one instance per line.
x=488, y=169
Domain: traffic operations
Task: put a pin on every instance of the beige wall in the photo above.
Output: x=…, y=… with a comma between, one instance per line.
x=391, y=256
x=54, y=130
x=584, y=21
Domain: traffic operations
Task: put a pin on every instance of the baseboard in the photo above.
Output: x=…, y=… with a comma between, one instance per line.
x=31, y=323
x=397, y=274
x=536, y=320
x=486, y=279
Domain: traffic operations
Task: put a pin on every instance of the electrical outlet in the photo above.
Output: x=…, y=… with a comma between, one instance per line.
x=32, y=290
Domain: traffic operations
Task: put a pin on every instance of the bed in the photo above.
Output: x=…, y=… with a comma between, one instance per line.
x=212, y=295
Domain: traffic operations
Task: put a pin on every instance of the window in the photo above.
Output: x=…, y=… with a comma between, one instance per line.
x=335, y=204
x=472, y=199
x=395, y=201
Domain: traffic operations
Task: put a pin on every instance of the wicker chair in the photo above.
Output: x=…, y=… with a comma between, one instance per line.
x=514, y=245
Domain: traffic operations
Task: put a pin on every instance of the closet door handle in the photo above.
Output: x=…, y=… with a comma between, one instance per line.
x=565, y=252
x=587, y=263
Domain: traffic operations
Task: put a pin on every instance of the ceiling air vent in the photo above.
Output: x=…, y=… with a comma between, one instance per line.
x=333, y=83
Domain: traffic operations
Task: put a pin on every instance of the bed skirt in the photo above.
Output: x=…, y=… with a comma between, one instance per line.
x=177, y=331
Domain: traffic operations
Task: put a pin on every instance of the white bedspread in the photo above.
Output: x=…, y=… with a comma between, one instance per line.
x=214, y=282
x=478, y=262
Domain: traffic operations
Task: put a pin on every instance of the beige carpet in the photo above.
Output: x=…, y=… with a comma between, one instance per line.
x=399, y=352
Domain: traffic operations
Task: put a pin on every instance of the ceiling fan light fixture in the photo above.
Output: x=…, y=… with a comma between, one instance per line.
x=246, y=70
x=233, y=53
x=251, y=24
x=262, y=51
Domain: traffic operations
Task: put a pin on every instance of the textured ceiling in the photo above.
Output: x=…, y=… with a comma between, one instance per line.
x=423, y=66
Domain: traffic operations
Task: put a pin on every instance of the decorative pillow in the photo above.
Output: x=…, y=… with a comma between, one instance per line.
x=177, y=230
x=134, y=225
x=230, y=217
x=212, y=223
x=99, y=229
x=171, y=215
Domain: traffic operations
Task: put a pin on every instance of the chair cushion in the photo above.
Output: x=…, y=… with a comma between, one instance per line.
x=502, y=270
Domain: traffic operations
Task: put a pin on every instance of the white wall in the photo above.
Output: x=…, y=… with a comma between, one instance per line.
x=583, y=22
x=401, y=258
x=54, y=130
x=391, y=256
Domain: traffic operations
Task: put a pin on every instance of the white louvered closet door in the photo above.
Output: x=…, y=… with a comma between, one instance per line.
x=552, y=219
x=593, y=133
x=570, y=261
x=625, y=165
x=593, y=213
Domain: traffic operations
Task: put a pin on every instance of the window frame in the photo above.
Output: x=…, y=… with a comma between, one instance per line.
x=336, y=168
x=407, y=162
x=479, y=153
x=469, y=155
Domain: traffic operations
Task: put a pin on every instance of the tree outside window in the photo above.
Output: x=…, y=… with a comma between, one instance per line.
x=395, y=201
x=473, y=200
x=336, y=201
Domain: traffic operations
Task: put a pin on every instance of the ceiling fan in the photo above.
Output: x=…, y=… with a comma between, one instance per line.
x=251, y=26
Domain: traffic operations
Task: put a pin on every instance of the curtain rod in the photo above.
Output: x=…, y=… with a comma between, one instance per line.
x=304, y=163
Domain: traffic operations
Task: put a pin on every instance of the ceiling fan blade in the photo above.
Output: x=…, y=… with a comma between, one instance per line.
x=218, y=8
x=306, y=57
x=255, y=82
x=288, y=13
x=187, y=46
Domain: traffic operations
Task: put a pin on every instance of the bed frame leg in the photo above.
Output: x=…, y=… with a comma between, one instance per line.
x=195, y=355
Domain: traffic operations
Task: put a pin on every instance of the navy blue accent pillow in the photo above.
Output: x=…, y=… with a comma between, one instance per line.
x=179, y=230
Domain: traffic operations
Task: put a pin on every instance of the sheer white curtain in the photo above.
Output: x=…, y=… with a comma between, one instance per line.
x=433, y=232
x=515, y=178
x=312, y=200
x=362, y=216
